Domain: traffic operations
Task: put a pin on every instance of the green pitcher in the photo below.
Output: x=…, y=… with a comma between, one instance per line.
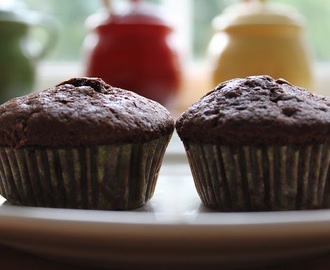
x=20, y=51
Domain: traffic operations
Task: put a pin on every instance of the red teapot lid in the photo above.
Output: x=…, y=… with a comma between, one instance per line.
x=141, y=13
x=136, y=13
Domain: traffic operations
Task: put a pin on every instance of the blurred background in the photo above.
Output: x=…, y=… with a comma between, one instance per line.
x=193, y=32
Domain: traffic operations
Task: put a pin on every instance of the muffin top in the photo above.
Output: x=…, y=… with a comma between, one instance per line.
x=82, y=112
x=257, y=110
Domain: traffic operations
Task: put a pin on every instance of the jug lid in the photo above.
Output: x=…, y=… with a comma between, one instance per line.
x=15, y=12
x=258, y=12
x=11, y=16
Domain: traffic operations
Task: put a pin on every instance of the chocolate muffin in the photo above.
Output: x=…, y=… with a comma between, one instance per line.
x=82, y=144
x=259, y=144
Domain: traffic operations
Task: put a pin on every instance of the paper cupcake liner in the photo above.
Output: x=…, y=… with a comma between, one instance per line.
x=119, y=176
x=252, y=178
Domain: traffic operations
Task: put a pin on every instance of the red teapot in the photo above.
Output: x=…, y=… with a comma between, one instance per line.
x=134, y=50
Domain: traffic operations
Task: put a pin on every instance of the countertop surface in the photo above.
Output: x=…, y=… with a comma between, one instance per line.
x=13, y=259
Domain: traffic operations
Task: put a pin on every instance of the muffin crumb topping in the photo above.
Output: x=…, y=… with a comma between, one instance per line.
x=81, y=112
x=262, y=109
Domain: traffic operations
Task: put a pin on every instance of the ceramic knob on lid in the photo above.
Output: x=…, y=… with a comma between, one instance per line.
x=260, y=38
x=134, y=50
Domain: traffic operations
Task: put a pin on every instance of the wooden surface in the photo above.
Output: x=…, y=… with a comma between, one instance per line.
x=12, y=259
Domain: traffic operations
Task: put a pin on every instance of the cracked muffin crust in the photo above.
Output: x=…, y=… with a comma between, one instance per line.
x=258, y=110
x=82, y=111
x=82, y=144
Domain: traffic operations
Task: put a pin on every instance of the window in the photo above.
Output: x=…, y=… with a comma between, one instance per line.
x=193, y=19
x=194, y=15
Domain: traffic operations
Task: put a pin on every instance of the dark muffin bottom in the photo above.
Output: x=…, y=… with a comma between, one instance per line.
x=261, y=178
x=108, y=177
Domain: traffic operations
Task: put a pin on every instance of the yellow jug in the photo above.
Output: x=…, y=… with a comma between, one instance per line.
x=256, y=38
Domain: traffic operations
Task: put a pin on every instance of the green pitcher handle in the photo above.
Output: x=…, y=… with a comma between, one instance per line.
x=49, y=25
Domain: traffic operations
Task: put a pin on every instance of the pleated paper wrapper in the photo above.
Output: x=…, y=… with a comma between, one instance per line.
x=118, y=176
x=261, y=178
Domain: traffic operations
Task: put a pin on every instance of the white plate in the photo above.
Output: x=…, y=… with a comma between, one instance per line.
x=173, y=229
